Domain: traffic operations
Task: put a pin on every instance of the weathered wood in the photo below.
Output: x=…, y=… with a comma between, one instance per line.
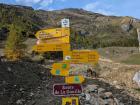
x=138, y=31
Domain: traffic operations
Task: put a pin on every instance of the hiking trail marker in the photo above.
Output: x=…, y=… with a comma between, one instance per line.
x=60, y=69
x=81, y=56
x=67, y=90
x=52, y=35
x=57, y=39
x=65, y=23
x=51, y=47
x=74, y=79
x=70, y=101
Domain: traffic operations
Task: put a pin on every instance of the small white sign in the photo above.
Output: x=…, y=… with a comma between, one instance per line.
x=67, y=57
x=65, y=23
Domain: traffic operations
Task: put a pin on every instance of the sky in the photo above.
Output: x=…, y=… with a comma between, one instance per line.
x=106, y=7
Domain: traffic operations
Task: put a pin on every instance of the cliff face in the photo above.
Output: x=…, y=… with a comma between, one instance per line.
x=89, y=30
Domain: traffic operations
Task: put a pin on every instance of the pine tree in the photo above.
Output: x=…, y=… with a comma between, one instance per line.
x=14, y=44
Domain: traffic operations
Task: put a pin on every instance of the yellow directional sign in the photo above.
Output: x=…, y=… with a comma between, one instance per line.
x=82, y=56
x=74, y=79
x=52, y=35
x=55, y=40
x=59, y=72
x=70, y=101
x=62, y=66
x=51, y=47
x=60, y=69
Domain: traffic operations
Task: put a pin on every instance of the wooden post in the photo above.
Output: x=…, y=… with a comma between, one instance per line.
x=138, y=31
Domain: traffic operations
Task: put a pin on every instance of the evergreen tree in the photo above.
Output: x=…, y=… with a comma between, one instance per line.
x=14, y=44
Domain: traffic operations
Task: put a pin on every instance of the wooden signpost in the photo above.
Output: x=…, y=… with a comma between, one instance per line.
x=138, y=32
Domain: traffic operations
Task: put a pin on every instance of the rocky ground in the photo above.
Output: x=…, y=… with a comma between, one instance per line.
x=29, y=83
x=21, y=83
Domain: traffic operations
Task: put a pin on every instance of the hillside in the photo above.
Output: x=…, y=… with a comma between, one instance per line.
x=89, y=30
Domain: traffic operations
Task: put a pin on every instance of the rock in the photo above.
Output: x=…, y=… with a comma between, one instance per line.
x=109, y=102
x=118, y=87
x=31, y=94
x=136, y=78
x=125, y=27
x=32, y=102
x=4, y=82
x=9, y=69
x=94, y=101
x=115, y=82
x=108, y=94
x=88, y=97
x=92, y=88
x=20, y=101
x=116, y=101
x=101, y=90
x=21, y=89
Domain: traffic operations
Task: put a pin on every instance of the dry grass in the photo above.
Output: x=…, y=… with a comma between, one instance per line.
x=132, y=59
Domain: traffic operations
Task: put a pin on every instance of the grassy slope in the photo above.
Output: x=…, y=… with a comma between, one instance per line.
x=132, y=59
x=127, y=55
x=89, y=30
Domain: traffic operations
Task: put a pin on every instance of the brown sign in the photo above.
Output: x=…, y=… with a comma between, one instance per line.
x=66, y=90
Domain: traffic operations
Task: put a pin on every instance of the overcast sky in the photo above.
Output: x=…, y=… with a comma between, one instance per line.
x=107, y=7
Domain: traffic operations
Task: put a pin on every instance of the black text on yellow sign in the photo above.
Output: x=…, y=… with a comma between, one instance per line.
x=51, y=47
x=81, y=56
x=61, y=34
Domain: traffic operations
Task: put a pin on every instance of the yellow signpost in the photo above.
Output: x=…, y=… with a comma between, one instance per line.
x=74, y=79
x=70, y=101
x=81, y=56
x=62, y=66
x=59, y=72
x=57, y=39
x=58, y=35
x=51, y=47
x=60, y=69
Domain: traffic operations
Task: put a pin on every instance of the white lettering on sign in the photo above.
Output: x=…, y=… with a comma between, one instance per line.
x=67, y=87
x=64, y=89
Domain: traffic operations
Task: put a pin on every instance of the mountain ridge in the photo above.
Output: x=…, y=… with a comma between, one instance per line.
x=89, y=29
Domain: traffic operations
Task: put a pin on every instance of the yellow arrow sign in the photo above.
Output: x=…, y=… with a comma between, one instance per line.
x=70, y=101
x=59, y=72
x=51, y=47
x=81, y=56
x=62, y=66
x=74, y=79
x=56, y=34
x=62, y=40
x=60, y=69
